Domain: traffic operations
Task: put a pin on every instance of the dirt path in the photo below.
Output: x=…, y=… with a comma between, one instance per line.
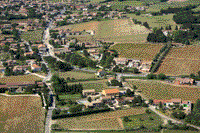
x=120, y=122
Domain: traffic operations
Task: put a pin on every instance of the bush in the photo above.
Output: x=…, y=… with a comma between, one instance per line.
x=148, y=111
x=161, y=76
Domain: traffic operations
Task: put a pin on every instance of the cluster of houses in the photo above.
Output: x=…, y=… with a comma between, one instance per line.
x=142, y=66
x=21, y=87
x=172, y=103
x=184, y=81
x=109, y=97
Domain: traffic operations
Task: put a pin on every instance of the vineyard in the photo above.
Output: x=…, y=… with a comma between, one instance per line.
x=181, y=61
x=144, y=52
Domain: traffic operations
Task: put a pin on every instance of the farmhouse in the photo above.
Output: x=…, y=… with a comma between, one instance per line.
x=35, y=68
x=120, y=61
x=110, y=92
x=101, y=72
x=20, y=68
x=184, y=81
x=172, y=102
x=19, y=87
x=88, y=92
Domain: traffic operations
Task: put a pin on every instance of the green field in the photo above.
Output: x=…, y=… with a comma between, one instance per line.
x=158, y=90
x=120, y=30
x=77, y=75
x=32, y=35
x=73, y=97
x=174, y=4
x=144, y=52
x=136, y=121
x=21, y=114
x=98, y=85
x=155, y=21
x=119, y=5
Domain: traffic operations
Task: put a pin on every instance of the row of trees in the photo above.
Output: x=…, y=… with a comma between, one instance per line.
x=158, y=58
x=160, y=76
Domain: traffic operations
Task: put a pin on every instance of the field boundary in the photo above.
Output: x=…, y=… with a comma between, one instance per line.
x=19, y=95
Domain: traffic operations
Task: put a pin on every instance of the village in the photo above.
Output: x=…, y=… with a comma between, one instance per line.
x=99, y=66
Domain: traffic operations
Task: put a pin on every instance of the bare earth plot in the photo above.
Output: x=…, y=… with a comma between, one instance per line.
x=144, y=52
x=158, y=90
x=100, y=121
x=120, y=30
x=21, y=114
x=181, y=61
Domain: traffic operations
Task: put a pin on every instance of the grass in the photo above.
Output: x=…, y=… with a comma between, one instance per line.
x=32, y=35
x=155, y=21
x=120, y=30
x=100, y=121
x=73, y=97
x=158, y=90
x=121, y=4
x=137, y=51
x=173, y=4
x=136, y=121
x=98, y=85
x=19, y=114
x=22, y=78
x=181, y=61
x=77, y=75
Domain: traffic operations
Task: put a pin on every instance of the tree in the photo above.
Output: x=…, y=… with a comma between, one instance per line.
x=160, y=105
x=187, y=42
x=126, y=119
x=6, y=48
x=89, y=99
x=146, y=25
x=161, y=76
x=151, y=76
x=129, y=93
x=150, y=101
x=192, y=75
x=85, y=52
x=199, y=74
x=180, y=36
x=135, y=70
x=148, y=111
x=176, y=28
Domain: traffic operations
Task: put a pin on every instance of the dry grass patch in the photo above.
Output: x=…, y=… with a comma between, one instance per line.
x=120, y=30
x=21, y=114
x=79, y=75
x=18, y=79
x=106, y=120
x=158, y=90
x=138, y=51
x=181, y=61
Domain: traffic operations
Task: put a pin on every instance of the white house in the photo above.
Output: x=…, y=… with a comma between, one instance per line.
x=101, y=72
x=35, y=68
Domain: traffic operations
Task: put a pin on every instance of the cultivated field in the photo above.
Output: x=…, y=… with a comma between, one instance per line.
x=21, y=114
x=181, y=61
x=120, y=30
x=77, y=75
x=144, y=52
x=158, y=90
x=107, y=120
x=32, y=35
x=18, y=79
